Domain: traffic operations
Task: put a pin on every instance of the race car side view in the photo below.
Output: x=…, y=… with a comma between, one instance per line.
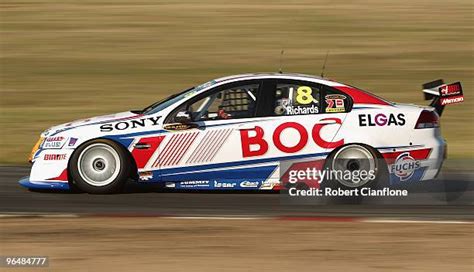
x=235, y=132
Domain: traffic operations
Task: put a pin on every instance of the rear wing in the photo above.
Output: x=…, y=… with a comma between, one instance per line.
x=442, y=94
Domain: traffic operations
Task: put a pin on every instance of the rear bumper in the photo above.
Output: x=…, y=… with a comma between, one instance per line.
x=413, y=164
x=43, y=185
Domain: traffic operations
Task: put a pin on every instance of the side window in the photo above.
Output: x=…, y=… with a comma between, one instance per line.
x=229, y=103
x=296, y=98
x=335, y=101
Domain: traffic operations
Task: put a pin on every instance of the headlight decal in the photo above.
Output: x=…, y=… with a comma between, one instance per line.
x=35, y=149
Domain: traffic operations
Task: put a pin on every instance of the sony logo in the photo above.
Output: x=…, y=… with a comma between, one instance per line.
x=130, y=124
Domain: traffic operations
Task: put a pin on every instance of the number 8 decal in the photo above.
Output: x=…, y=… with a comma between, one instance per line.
x=304, y=95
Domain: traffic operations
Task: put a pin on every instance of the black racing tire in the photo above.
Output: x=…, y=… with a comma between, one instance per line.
x=72, y=185
x=100, y=167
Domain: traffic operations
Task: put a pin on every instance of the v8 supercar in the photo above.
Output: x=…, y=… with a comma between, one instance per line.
x=237, y=132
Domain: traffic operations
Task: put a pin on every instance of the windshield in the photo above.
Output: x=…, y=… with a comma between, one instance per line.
x=170, y=100
x=164, y=103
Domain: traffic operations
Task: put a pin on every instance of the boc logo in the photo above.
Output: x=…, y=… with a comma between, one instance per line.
x=404, y=166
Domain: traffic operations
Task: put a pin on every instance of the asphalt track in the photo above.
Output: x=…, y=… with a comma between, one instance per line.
x=449, y=197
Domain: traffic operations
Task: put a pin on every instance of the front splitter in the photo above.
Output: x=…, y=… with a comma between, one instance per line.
x=43, y=185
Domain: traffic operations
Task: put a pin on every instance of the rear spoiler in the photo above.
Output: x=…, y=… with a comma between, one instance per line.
x=442, y=94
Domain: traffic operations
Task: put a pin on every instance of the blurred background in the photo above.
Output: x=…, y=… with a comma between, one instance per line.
x=62, y=60
x=65, y=60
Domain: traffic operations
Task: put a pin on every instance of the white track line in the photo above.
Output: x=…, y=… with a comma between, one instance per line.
x=416, y=221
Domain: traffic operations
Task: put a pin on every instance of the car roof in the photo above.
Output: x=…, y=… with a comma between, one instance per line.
x=295, y=76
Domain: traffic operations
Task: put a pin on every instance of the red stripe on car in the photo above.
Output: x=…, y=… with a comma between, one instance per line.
x=142, y=156
x=420, y=154
x=61, y=177
x=361, y=97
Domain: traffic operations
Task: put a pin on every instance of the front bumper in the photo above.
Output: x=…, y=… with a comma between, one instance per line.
x=43, y=185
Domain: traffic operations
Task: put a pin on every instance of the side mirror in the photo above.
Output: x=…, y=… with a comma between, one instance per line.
x=183, y=117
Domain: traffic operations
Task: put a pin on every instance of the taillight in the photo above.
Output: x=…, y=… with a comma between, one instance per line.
x=427, y=119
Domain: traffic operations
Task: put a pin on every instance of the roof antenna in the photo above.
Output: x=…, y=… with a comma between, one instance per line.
x=324, y=64
x=281, y=56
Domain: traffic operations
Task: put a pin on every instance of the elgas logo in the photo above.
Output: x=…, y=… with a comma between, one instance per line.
x=404, y=166
x=381, y=119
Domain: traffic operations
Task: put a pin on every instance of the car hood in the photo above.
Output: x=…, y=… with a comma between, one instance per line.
x=90, y=121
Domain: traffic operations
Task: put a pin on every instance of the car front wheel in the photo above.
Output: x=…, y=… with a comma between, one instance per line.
x=100, y=167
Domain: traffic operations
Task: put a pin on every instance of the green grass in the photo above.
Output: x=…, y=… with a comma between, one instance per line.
x=64, y=60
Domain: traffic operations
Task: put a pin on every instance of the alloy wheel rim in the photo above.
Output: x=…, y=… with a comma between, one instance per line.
x=99, y=164
x=354, y=158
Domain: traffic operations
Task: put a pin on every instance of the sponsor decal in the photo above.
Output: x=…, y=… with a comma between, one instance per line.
x=381, y=119
x=256, y=145
x=249, y=184
x=451, y=94
x=54, y=142
x=55, y=139
x=452, y=100
x=144, y=176
x=170, y=185
x=179, y=126
x=404, y=166
x=299, y=110
x=451, y=89
x=130, y=124
x=189, y=184
x=269, y=184
x=195, y=184
x=72, y=141
x=54, y=157
x=335, y=103
x=224, y=184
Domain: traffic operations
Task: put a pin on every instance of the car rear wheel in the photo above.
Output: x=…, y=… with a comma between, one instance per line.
x=355, y=158
x=100, y=167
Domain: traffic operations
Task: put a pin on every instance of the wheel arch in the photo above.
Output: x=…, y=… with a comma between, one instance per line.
x=133, y=170
x=371, y=148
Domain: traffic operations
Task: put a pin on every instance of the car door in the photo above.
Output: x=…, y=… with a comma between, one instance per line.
x=211, y=155
x=299, y=127
x=241, y=132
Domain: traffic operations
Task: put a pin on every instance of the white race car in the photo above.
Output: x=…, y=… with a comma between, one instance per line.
x=237, y=132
